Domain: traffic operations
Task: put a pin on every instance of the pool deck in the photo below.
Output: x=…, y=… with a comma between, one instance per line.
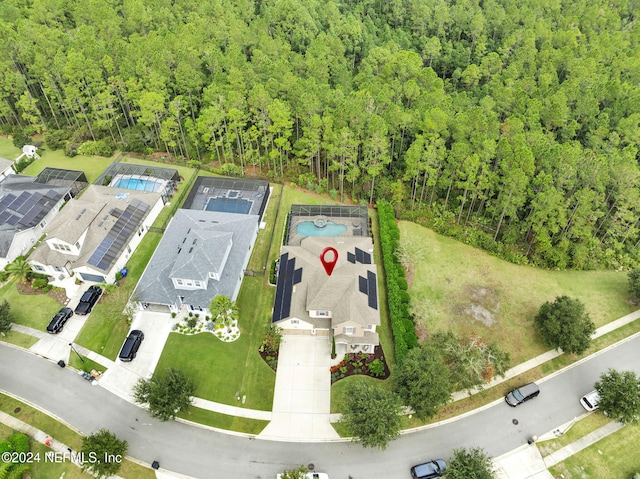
x=353, y=227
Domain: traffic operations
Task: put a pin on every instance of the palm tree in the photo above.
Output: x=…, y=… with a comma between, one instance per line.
x=19, y=269
x=223, y=310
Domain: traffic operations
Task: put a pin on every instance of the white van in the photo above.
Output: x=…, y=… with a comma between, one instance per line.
x=590, y=400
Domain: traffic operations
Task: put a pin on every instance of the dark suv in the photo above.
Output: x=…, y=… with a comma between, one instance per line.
x=59, y=320
x=522, y=394
x=88, y=300
x=131, y=345
x=429, y=470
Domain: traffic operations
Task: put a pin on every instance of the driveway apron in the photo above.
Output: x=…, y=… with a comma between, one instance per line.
x=302, y=396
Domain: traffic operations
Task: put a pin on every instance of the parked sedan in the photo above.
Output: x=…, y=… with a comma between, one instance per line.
x=59, y=320
x=88, y=300
x=522, y=394
x=429, y=470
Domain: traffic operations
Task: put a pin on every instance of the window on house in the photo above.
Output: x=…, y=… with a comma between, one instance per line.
x=198, y=284
x=128, y=249
x=179, y=282
x=189, y=282
x=37, y=267
x=349, y=330
x=322, y=313
x=43, y=224
x=58, y=269
x=295, y=321
x=78, y=244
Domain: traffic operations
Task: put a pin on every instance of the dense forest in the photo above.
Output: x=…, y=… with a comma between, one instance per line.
x=513, y=125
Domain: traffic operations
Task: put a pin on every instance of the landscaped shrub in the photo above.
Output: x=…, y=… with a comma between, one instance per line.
x=19, y=442
x=402, y=327
x=376, y=368
x=39, y=283
x=191, y=322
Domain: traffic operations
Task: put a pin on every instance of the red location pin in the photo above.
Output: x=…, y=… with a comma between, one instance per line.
x=331, y=263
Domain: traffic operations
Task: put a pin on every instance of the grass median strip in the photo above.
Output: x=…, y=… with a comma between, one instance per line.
x=224, y=421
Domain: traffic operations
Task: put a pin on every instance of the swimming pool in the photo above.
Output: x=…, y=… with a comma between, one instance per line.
x=308, y=228
x=138, y=184
x=229, y=205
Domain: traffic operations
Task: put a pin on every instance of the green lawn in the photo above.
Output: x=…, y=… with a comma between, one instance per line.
x=7, y=150
x=223, y=421
x=222, y=369
x=614, y=457
x=261, y=246
x=451, y=278
x=19, y=339
x=29, y=310
x=101, y=333
x=93, y=166
x=580, y=429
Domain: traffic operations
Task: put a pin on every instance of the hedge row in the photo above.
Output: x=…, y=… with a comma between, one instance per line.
x=404, y=334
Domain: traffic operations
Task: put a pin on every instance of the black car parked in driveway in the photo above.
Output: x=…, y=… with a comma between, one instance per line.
x=131, y=345
x=59, y=320
x=522, y=394
x=88, y=300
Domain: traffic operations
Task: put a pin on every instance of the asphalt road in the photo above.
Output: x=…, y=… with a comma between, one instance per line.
x=206, y=454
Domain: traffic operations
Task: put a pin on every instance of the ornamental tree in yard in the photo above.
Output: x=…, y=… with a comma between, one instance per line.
x=619, y=393
x=167, y=394
x=634, y=282
x=103, y=453
x=423, y=381
x=371, y=414
x=5, y=317
x=565, y=325
x=470, y=463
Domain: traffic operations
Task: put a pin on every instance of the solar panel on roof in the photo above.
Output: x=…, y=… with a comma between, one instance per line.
x=373, y=290
x=28, y=204
x=367, y=258
x=13, y=219
x=6, y=201
x=32, y=215
x=351, y=258
x=359, y=255
x=362, y=285
x=19, y=201
x=297, y=276
x=4, y=216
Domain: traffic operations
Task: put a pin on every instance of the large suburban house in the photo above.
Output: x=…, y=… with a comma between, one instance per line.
x=206, y=247
x=94, y=235
x=26, y=207
x=309, y=300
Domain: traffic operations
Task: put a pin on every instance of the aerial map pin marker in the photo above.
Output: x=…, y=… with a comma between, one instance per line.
x=329, y=264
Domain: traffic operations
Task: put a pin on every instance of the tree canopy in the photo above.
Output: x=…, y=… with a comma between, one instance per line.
x=470, y=463
x=619, y=393
x=6, y=317
x=516, y=127
x=103, y=453
x=565, y=325
x=371, y=414
x=423, y=381
x=634, y=282
x=166, y=394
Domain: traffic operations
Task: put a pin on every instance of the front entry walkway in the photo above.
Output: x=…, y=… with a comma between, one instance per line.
x=302, y=396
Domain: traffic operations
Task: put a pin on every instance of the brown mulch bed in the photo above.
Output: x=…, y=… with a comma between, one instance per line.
x=58, y=294
x=355, y=364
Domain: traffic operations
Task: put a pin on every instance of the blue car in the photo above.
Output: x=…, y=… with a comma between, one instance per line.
x=429, y=470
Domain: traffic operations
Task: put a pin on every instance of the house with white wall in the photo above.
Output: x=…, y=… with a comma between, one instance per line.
x=94, y=235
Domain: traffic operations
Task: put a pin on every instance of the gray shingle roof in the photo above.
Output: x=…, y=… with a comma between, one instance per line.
x=215, y=229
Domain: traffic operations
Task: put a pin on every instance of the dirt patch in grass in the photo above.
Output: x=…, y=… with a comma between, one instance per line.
x=481, y=304
x=58, y=294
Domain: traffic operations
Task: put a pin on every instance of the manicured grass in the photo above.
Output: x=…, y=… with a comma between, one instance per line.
x=580, y=429
x=93, y=166
x=222, y=369
x=39, y=420
x=613, y=457
x=7, y=150
x=452, y=277
x=88, y=365
x=339, y=388
x=101, y=333
x=264, y=239
x=19, y=339
x=29, y=310
x=223, y=421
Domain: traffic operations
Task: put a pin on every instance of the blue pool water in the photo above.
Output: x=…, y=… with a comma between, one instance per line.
x=307, y=228
x=137, y=184
x=229, y=205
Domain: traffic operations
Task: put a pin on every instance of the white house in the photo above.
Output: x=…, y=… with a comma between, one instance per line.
x=95, y=235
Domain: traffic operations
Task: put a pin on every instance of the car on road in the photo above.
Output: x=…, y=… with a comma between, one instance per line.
x=429, y=470
x=88, y=300
x=58, y=321
x=590, y=400
x=522, y=394
x=131, y=345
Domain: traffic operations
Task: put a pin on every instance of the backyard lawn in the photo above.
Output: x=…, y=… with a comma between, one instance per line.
x=7, y=150
x=93, y=166
x=463, y=288
x=613, y=457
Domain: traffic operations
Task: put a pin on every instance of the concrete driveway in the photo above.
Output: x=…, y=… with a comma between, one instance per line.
x=302, y=395
x=122, y=376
